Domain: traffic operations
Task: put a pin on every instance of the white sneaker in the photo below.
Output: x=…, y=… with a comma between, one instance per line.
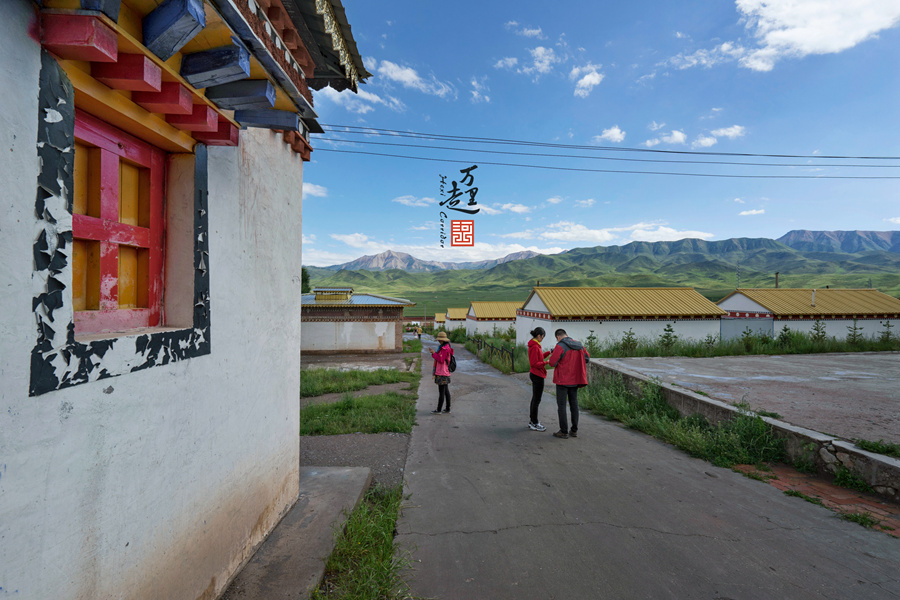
x=536, y=427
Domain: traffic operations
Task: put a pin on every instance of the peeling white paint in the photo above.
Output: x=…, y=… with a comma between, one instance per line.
x=52, y=116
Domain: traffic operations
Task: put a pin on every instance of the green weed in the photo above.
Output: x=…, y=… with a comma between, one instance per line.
x=367, y=414
x=879, y=447
x=365, y=563
x=797, y=494
x=412, y=345
x=844, y=477
x=862, y=518
x=316, y=381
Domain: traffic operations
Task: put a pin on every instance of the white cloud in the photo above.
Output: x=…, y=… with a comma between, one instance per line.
x=803, y=27
x=674, y=137
x=735, y=131
x=535, y=33
x=746, y=213
x=585, y=203
x=894, y=220
x=408, y=77
x=574, y=232
x=489, y=210
x=680, y=35
x=311, y=189
x=355, y=240
x=554, y=200
x=543, y=60
x=738, y=200
x=521, y=235
x=588, y=77
x=361, y=103
x=426, y=226
x=654, y=126
x=724, y=52
x=666, y=234
x=479, y=89
x=516, y=208
x=413, y=201
x=704, y=141
x=308, y=239
x=613, y=134
x=506, y=63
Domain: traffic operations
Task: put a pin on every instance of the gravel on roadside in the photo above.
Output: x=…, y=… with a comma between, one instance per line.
x=384, y=453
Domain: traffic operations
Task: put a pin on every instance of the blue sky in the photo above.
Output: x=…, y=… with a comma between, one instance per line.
x=798, y=77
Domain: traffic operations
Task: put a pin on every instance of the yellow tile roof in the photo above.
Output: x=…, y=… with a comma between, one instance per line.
x=792, y=301
x=457, y=313
x=625, y=302
x=440, y=317
x=496, y=310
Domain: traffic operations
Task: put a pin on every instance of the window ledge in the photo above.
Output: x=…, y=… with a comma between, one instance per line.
x=87, y=338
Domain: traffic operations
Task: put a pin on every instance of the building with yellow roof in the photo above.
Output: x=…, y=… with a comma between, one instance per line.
x=455, y=318
x=768, y=311
x=488, y=317
x=611, y=312
x=440, y=319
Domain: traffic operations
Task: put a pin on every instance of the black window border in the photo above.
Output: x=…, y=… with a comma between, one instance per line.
x=58, y=361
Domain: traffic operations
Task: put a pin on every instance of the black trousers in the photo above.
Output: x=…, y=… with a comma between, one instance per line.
x=444, y=393
x=537, y=390
x=564, y=394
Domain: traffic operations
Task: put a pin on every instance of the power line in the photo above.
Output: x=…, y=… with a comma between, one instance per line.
x=548, y=167
x=615, y=158
x=483, y=140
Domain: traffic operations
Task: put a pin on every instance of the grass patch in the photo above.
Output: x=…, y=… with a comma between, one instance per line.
x=412, y=345
x=745, y=439
x=768, y=413
x=879, y=447
x=390, y=411
x=315, y=382
x=864, y=519
x=797, y=494
x=844, y=477
x=364, y=563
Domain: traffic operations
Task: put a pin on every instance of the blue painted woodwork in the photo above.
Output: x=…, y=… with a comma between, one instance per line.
x=246, y=94
x=268, y=119
x=110, y=8
x=217, y=66
x=172, y=25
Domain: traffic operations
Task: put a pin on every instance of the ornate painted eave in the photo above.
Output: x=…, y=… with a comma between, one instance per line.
x=324, y=29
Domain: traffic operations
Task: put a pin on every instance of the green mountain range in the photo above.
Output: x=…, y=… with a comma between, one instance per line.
x=714, y=268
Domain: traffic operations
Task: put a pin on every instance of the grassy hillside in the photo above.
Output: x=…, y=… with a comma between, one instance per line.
x=710, y=267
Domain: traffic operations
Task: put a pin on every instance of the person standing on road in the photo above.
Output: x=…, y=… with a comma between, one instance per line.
x=419, y=332
x=537, y=358
x=569, y=358
x=441, y=371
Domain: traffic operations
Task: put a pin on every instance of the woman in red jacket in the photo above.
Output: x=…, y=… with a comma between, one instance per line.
x=441, y=371
x=537, y=359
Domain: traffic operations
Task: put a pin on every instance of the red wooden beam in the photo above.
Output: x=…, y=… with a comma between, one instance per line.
x=225, y=135
x=79, y=37
x=172, y=99
x=132, y=72
x=278, y=16
x=202, y=118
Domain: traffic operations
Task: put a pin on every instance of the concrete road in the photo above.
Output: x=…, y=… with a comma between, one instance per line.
x=497, y=511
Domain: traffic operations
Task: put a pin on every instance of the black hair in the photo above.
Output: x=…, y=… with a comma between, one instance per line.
x=560, y=332
x=538, y=331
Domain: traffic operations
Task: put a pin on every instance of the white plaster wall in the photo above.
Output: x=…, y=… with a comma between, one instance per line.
x=837, y=328
x=487, y=327
x=452, y=324
x=349, y=335
x=614, y=330
x=741, y=303
x=154, y=484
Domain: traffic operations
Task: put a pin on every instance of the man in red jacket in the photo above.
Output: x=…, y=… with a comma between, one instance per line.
x=569, y=360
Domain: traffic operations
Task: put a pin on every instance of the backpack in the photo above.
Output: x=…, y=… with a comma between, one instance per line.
x=452, y=364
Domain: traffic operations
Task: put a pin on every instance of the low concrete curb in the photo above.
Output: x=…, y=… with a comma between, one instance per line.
x=291, y=562
x=826, y=452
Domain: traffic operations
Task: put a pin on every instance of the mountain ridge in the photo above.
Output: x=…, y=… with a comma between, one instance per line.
x=390, y=259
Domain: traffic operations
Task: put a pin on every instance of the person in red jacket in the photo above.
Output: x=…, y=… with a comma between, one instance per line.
x=569, y=359
x=537, y=358
x=441, y=371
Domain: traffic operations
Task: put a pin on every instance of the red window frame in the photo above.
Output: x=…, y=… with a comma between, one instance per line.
x=114, y=146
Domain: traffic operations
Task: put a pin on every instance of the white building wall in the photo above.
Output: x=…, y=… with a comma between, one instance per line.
x=332, y=336
x=452, y=324
x=157, y=483
x=839, y=328
x=605, y=331
x=474, y=327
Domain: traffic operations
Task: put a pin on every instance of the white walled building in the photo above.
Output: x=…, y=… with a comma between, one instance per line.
x=150, y=331
x=611, y=312
x=336, y=320
x=489, y=317
x=455, y=318
x=768, y=311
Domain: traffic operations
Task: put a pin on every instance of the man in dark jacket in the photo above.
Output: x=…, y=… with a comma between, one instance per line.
x=569, y=360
